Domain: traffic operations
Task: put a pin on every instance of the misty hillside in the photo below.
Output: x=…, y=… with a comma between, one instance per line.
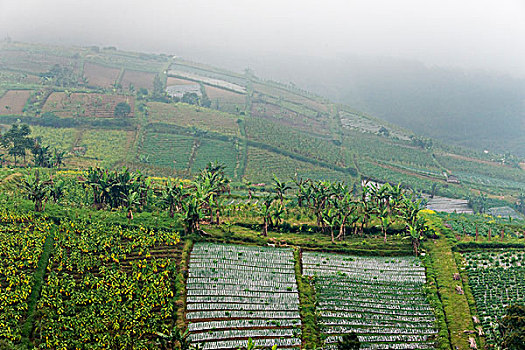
x=469, y=108
x=167, y=116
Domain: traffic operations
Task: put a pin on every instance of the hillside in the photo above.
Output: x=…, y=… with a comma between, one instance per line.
x=257, y=128
x=464, y=107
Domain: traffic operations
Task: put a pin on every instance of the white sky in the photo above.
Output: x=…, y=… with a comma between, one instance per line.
x=474, y=34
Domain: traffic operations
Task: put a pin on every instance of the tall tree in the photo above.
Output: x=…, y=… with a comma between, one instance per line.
x=17, y=141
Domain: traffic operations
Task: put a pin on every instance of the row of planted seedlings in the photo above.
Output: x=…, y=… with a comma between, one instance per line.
x=380, y=299
x=22, y=240
x=485, y=226
x=236, y=292
x=107, y=287
x=497, y=280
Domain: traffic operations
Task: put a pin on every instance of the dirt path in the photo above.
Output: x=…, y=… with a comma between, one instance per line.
x=469, y=159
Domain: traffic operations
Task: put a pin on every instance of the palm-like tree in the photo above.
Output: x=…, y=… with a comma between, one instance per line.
x=131, y=199
x=280, y=188
x=265, y=210
x=36, y=190
x=332, y=219
x=172, y=196
x=58, y=157
x=415, y=224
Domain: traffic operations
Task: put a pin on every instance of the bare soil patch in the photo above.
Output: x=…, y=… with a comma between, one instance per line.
x=13, y=102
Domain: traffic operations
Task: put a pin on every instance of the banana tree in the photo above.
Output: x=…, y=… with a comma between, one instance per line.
x=36, y=190
x=57, y=159
x=415, y=231
x=192, y=213
x=383, y=216
x=131, y=200
x=176, y=339
x=332, y=219
x=280, y=188
x=172, y=196
x=265, y=210
x=57, y=191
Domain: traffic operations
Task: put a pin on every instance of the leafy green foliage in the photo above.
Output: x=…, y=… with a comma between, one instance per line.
x=17, y=140
x=62, y=76
x=122, y=109
x=512, y=327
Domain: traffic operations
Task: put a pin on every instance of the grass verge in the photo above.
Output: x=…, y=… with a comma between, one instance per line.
x=38, y=279
x=307, y=299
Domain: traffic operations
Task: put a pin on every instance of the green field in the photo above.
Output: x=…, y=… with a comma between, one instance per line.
x=263, y=164
x=107, y=146
x=60, y=138
x=215, y=150
x=166, y=150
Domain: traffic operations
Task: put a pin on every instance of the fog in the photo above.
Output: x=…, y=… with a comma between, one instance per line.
x=473, y=34
x=449, y=69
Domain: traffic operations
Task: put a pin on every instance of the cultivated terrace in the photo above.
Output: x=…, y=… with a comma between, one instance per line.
x=148, y=202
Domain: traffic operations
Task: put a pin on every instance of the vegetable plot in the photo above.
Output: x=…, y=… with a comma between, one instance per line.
x=239, y=292
x=380, y=299
x=467, y=225
x=107, y=287
x=21, y=242
x=497, y=279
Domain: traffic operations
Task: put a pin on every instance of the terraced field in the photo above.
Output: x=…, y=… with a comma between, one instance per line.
x=137, y=79
x=17, y=57
x=107, y=287
x=216, y=150
x=240, y=292
x=225, y=100
x=207, y=80
x=289, y=118
x=449, y=205
x=13, y=102
x=166, y=150
x=21, y=244
x=497, y=280
x=86, y=104
x=305, y=144
x=483, y=225
x=262, y=164
x=100, y=76
x=186, y=115
x=107, y=146
x=59, y=138
x=380, y=299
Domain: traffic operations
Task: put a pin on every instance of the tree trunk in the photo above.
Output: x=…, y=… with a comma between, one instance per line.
x=384, y=231
x=265, y=227
x=211, y=213
x=415, y=243
x=38, y=205
x=217, y=217
x=341, y=232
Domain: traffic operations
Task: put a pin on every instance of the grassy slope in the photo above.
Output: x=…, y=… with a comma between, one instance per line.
x=456, y=306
